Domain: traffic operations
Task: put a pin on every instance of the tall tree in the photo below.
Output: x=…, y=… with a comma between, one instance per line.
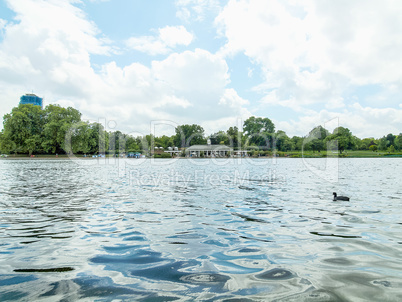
x=340, y=139
x=99, y=138
x=32, y=144
x=23, y=129
x=386, y=142
x=164, y=141
x=282, y=142
x=58, y=121
x=81, y=139
x=318, y=132
x=259, y=132
x=188, y=135
x=255, y=125
x=235, y=137
x=315, y=145
x=117, y=142
x=315, y=140
x=390, y=139
x=297, y=143
x=366, y=143
x=219, y=137
x=398, y=142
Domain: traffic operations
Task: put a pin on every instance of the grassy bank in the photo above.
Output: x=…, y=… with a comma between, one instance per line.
x=348, y=153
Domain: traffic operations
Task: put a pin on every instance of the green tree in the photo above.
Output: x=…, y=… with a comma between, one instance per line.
x=131, y=144
x=398, y=142
x=33, y=144
x=390, y=140
x=318, y=132
x=315, y=140
x=99, y=138
x=340, y=139
x=366, y=143
x=386, y=141
x=58, y=121
x=315, y=145
x=79, y=139
x=282, y=142
x=2, y=149
x=188, y=135
x=23, y=129
x=148, y=142
x=259, y=132
x=164, y=141
x=255, y=125
x=219, y=138
x=382, y=144
x=235, y=137
x=117, y=142
x=6, y=144
x=356, y=143
x=297, y=143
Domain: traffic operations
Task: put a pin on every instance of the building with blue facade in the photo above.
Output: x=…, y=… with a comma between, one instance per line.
x=33, y=99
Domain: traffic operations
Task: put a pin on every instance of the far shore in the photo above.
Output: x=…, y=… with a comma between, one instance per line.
x=292, y=154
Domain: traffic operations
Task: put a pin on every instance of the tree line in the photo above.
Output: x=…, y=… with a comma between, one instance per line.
x=29, y=129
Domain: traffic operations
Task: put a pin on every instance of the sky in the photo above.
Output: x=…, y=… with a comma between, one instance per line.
x=147, y=66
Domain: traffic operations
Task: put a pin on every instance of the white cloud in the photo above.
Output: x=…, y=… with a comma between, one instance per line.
x=171, y=100
x=60, y=20
x=314, y=53
x=196, y=9
x=54, y=59
x=367, y=36
x=189, y=87
x=47, y=49
x=200, y=78
x=377, y=116
x=50, y=46
x=175, y=35
x=232, y=99
x=193, y=73
x=64, y=103
x=362, y=121
x=168, y=38
x=2, y=23
x=147, y=44
x=310, y=55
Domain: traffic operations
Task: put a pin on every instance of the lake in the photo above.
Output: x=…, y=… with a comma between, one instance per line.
x=205, y=230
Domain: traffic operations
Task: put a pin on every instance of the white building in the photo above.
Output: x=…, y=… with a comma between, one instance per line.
x=208, y=151
x=173, y=151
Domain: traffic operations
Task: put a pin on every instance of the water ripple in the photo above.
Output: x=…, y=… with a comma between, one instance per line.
x=239, y=231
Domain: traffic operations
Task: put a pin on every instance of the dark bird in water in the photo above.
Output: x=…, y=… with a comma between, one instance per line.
x=336, y=197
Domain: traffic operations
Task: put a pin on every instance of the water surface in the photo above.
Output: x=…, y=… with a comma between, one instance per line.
x=207, y=230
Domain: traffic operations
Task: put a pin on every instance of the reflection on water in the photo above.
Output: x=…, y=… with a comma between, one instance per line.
x=200, y=230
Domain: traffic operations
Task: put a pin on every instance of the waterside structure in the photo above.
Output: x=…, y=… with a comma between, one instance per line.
x=173, y=151
x=210, y=150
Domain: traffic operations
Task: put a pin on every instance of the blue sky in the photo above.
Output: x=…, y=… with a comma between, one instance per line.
x=214, y=63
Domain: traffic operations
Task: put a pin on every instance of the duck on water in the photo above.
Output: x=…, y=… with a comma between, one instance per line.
x=336, y=197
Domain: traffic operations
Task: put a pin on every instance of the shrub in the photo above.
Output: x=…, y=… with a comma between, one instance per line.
x=162, y=155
